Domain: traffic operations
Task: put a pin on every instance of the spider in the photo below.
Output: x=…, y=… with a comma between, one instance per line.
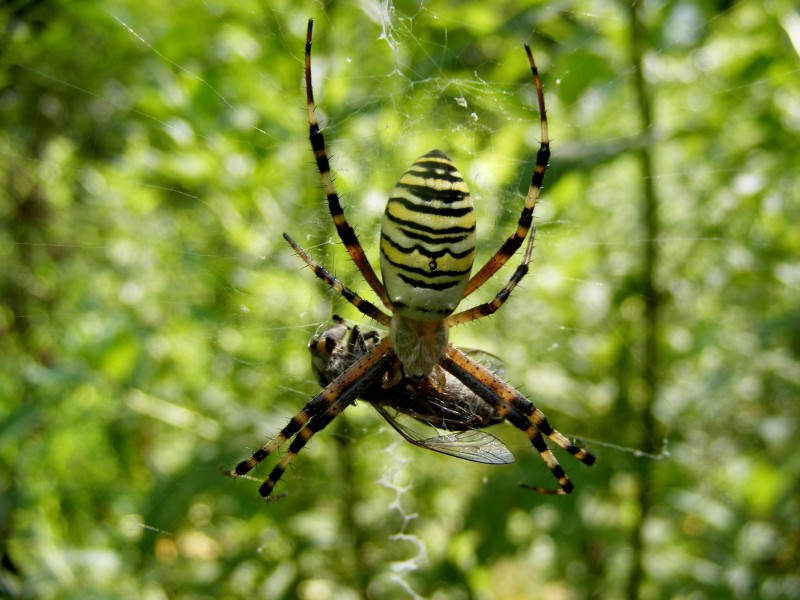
x=454, y=407
x=427, y=248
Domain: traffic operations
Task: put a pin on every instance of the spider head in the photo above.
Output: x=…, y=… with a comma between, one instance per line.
x=418, y=344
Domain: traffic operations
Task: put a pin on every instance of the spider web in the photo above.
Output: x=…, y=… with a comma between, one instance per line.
x=197, y=188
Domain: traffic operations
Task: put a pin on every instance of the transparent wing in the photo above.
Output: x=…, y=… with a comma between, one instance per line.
x=473, y=445
x=487, y=360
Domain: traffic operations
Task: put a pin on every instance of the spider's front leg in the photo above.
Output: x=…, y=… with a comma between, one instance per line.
x=519, y=411
x=321, y=410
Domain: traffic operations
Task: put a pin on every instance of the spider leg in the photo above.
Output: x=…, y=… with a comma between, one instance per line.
x=488, y=308
x=318, y=413
x=514, y=241
x=367, y=308
x=519, y=411
x=345, y=231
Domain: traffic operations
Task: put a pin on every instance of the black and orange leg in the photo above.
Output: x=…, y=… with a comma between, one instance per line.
x=522, y=421
x=303, y=437
x=345, y=231
x=489, y=308
x=519, y=411
x=319, y=411
x=365, y=307
x=514, y=241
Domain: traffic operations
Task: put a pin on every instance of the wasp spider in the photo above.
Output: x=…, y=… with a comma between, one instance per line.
x=453, y=406
x=426, y=252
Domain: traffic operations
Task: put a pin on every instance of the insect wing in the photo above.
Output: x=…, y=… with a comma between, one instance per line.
x=473, y=445
x=487, y=360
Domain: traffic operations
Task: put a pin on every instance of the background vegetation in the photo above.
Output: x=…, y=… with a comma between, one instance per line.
x=153, y=322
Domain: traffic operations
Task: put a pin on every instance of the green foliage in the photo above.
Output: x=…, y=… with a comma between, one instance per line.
x=153, y=322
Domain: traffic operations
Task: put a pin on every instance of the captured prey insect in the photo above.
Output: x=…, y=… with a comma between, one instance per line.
x=427, y=250
x=454, y=408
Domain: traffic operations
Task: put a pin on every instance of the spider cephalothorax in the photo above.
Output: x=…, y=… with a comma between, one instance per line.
x=451, y=406
x=427, y=250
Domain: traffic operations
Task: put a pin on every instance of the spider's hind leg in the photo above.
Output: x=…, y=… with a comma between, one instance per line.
x=343, y=228
x=514, y=241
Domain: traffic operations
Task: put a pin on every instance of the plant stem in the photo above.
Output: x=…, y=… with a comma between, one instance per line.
x=650, y=359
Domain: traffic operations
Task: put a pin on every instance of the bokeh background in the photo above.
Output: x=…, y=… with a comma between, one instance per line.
x=153, y=323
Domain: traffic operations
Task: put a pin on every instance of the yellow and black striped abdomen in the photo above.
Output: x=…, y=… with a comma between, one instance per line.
x=428, y=239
